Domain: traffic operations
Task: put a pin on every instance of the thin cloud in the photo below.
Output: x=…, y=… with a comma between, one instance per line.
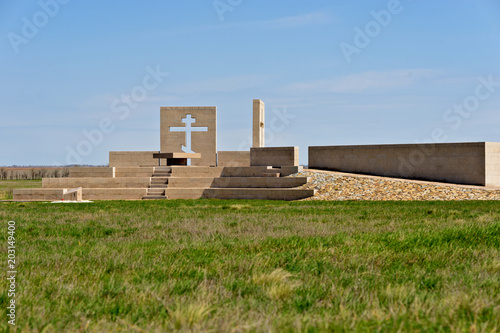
x=366, y=82
x=295, y=21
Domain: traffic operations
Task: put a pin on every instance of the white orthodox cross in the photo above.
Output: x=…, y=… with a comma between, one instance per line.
x=188, y=129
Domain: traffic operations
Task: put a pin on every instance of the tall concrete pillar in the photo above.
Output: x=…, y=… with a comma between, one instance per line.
x=258, y=123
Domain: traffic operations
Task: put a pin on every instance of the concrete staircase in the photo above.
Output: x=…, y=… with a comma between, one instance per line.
x=174, y=182
x=265, y=183
x=158, y=184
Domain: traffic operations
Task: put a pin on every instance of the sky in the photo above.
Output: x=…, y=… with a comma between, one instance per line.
x=81, y=78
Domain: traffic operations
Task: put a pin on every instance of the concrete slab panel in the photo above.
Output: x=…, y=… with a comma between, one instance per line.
x=190, y=130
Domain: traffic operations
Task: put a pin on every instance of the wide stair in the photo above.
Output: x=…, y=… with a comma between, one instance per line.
x=265, y=183
x=158, y=184
x=184, y=182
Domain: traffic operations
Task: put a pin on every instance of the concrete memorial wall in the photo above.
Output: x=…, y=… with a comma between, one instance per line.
x=476, y=163
x=190, y=130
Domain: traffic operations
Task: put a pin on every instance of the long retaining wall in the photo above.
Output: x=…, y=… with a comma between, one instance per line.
x=476, y=163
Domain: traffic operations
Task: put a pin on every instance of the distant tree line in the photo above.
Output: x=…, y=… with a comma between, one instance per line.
x=32, y=173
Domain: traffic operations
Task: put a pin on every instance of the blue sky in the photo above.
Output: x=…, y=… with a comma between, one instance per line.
x=330, y=73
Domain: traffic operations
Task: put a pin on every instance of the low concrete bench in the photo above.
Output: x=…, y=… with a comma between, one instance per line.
x=176, y=158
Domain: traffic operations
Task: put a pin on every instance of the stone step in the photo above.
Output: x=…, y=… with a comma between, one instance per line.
x=271, y=175
x=155, y=197
x=159, y=181
x=258, y=171
x=258, y=193
x=164, y=168
x=259, y=182
x=161, y=175
x=190, y=182
x=184, y=193
x=163, y=186
x=196, y=171
x=155, y=191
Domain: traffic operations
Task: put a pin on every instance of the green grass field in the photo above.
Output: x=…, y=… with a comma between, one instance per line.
x=256, y=266
x=7, y=186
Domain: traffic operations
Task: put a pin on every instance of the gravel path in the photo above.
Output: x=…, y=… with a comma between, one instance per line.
x=343, y=186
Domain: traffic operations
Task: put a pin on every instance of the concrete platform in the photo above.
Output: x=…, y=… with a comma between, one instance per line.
x=260, y=171
x=124, y=182
x=190, y=182
x=262, y=194
x=108, y=172
x=196, y=171
x=185, y=193
x=134, y=172
x=258, y=182
x=44, y=194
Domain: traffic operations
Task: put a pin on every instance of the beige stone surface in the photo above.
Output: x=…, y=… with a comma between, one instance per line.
x=74, y=194
x=92, y=172
x=190, y=182
x=184, y=193
x=38, y=194
x=48, y=194
x=203, y=123
x=114, y=193
x=492, y=164
x=233, y=158
x=258, y=182
x=132, y=159
x=290, y=170
x=199, y=171
x=258, y=128
x=140, y=172
x=256, y=171
x=258, y=193
x=123, y=182
x=461, y=163
x=274, y=156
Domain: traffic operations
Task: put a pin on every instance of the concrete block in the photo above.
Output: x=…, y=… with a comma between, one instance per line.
x=195, y=124
x=196, y=171
x=92, y=172
x=258, y=182
x=114, y=193
x=258, y=128
x=233, y=158
x=290, y=170
x=132, y=159
x=122, y=182
x=38, y=194
x=256, y=171
x=190, y=182
x=462, y=163
x=141, y=172
x=261, y=194
x=74, y=194
x=274, y=156
x=184, y=193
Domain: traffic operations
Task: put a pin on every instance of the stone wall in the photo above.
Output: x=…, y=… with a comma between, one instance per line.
x=476, y=163
x=132, y=159
x=493, y=163
x=274, y=156
x=190, y=129
x=233, y=158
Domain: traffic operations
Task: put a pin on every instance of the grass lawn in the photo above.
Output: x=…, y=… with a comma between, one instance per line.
x=6, y=186
x=258, y=266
